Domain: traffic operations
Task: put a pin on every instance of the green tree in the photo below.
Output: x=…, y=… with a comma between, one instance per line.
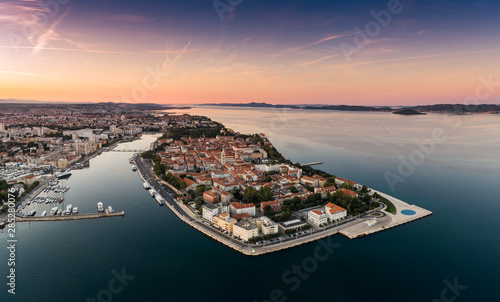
x=200, y=190
x=148, y=155
x=251, y=195
x=265, y=194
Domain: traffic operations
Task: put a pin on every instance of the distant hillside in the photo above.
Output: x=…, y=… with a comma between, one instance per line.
x=440, y=108
x=407, y=111
x=458, y=108
x=350, y=108
x=252, y=104
x=316, y=107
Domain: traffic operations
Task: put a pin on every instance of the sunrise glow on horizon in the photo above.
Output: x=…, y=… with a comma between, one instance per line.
x=192, y=52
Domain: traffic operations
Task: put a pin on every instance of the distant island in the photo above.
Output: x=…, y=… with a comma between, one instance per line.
x=407, y=111
x=410, y=110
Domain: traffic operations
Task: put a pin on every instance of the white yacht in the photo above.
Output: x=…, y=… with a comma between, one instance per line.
x=146, y=186
x=64, y=174
x=152, y=192
x=68, y=209
x=75, y=210
x=53, y=211
x=100, y=207
x=160, y=199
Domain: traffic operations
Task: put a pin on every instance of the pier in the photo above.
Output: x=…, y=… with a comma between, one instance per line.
x=313, y=163
x=362, y=229
x=128, y=150
x=68, y=217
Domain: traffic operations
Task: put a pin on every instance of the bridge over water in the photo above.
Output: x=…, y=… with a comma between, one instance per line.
x=128, y=150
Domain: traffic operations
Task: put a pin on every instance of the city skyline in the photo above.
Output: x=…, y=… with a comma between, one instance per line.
x=303, y=52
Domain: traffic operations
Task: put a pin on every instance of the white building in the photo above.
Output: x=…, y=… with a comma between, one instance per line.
x=245, y=230
x=240, y=208
x=334, y=212
x=317, y=217
x=210, y=210
x=267, y=226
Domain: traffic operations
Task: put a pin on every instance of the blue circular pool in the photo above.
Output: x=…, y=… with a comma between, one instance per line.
x=408, y=212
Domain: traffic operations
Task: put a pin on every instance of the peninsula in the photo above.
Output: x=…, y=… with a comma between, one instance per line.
x=241, y=191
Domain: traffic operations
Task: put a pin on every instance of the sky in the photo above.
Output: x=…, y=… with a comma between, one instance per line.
x=281, y=52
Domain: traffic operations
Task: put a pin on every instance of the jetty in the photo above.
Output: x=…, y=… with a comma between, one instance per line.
x=404, y=213
x=313, y=163
x=68, y=217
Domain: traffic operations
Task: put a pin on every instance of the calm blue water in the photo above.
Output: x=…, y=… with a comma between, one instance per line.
x=70, y=261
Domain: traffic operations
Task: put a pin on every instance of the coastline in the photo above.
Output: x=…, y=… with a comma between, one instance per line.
x=351, y=229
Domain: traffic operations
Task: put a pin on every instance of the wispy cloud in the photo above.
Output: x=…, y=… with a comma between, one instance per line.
x=167, y=65
x=129, y=18
x=329, y=38
x=429, y=56
x=18, y=73
x=48, y=35
x=318, y=60
x=86, y=50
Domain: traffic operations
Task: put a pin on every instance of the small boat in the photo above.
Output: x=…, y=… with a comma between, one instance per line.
x=160, y=199
x=53, y=211
x=152, y=193
x=32, y=213
x=44, y=213
x=134, y=168
x=100, y=207
x=64, y=174
x=75, y=210
x=110, y=209
x=68, y=209
x=146, y=186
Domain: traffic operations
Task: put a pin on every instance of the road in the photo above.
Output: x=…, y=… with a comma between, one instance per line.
x=146, y=169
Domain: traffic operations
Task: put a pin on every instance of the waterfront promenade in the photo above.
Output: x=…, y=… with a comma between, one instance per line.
x=389, y=220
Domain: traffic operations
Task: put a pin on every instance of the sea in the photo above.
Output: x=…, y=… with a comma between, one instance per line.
x=448, y=164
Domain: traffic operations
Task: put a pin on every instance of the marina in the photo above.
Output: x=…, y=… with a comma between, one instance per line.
x=69, y=217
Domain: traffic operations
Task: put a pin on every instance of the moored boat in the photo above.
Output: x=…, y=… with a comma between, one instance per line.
x=53, y=211
x=64, y=174
x=160, y=199
x=100, y=207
